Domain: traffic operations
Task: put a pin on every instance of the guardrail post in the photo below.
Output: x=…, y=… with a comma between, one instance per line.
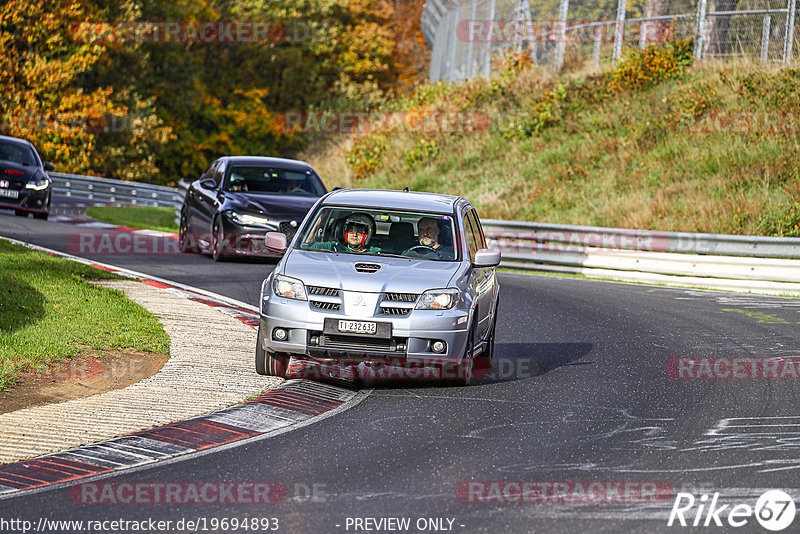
x=598, y=42
x=471, y=45
x=619, y=32
x=452, y=25
x=643, y=34
x=489, y=41
x=700, y=32
x=765, y=39
x=788, y=38
x=561, y=45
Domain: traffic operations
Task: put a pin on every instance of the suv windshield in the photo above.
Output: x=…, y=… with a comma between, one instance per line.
x=17, y=153
x=381, y=233
x=273, y=180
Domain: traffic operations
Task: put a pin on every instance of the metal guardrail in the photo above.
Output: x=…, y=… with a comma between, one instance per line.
x=540, y=238
x=750, y=263
x=116, y=192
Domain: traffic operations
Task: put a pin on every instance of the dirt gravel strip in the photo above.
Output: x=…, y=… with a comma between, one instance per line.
x=210, y=367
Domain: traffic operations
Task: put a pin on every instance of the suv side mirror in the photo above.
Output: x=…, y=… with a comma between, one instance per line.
x=48, y=166
x=275, y=242
x=487, y=257
x=208, y=183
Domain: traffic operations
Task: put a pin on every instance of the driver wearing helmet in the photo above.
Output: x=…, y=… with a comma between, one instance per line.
x=358, y=231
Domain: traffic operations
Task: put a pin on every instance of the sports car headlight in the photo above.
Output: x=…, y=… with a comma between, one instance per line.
x=438, y=299
x=246, y=219
x=290, y=288
x=38, y=184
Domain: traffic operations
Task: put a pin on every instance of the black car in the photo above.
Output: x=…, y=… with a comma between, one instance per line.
x=24, y=184
x=233, y=205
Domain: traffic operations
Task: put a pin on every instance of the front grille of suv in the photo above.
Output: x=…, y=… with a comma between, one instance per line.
x=346, y=342
x=328, y=306
x=386, y=310
x=324, y=304
x=402, y=297
x=390, y=301
x=326, y=291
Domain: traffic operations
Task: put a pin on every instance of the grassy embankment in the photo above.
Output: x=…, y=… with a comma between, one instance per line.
x=48, y=310
x=144, y=217
x=618, y=148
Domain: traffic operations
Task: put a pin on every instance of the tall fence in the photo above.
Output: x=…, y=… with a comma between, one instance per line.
x=467, y=37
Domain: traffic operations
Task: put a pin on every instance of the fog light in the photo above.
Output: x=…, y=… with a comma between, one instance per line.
x=279, y=334
x=438, y=346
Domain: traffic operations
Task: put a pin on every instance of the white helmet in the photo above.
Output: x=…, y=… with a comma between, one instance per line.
x=362, y=220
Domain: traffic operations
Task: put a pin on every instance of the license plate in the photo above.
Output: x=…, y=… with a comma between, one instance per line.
x=357, y=327
x=9, y=193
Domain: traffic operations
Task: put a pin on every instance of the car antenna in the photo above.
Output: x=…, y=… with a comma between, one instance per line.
x=405, y=189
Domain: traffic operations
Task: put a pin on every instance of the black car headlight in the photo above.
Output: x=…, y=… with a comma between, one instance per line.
x=38, y=184
x=248, y=219
x=438, y=299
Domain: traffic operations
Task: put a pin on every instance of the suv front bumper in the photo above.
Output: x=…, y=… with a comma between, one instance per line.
x=411, y=338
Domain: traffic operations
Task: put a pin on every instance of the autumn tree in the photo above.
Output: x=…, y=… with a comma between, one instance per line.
x=49, y=95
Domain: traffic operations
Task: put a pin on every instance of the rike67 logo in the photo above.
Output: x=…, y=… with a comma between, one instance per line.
x=774, y=510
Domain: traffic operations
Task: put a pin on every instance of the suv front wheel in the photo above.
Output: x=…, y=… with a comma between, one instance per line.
x=270, y=363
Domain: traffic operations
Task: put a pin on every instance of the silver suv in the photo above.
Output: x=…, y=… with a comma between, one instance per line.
x=376, y=280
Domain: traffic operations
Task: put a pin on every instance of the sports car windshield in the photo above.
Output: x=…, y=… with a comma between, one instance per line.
x=404, y=234
x=274, y=181
x=17, y=153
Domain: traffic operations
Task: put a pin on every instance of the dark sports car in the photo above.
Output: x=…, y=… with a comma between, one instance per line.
x=24, y=184
x=233, y=205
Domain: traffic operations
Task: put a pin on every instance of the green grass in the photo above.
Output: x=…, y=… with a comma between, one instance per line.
x=142, y=217
x=607, y=154
x=48, y=309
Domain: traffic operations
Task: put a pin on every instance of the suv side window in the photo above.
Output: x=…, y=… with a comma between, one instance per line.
x=476, y=225
x=472, y=237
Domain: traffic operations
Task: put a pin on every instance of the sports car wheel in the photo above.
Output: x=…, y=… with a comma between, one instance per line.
x=183, y=232
x=270, y=363
x=217, y=241
x=20, y=213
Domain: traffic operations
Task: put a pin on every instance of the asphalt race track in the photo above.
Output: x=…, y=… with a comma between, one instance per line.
x=580, y=393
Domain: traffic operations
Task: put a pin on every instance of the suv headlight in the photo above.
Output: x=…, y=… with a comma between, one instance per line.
x=38, y=184
x=438, y=299
x=246, y=219
x=289, y=288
